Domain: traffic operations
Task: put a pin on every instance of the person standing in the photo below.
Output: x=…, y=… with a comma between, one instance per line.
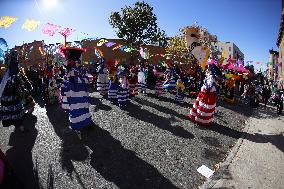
x=204, y=106
x=11, y=93
x=76, y=92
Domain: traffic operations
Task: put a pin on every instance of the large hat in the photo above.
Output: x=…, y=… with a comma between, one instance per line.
x=73, y=54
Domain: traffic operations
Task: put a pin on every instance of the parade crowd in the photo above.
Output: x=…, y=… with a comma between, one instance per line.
x=68, y=85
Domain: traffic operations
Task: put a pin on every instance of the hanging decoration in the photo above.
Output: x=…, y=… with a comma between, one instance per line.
x=117, y=47
x=101, y=42
x=30, y=25
x=7, y=21
x=66, y=32
x=98, y=53
x=50, y=29
x=110, y=44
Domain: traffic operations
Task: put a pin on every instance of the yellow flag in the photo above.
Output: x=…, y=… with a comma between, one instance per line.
x=101, y=42
x=6, y=21
x=30, y=25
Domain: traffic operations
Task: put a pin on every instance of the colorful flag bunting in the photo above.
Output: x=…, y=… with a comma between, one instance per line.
x=7, y=21
x=50, y=29
x=101, y=42
x=110, y=44
x=67, y=31
x=30, y=25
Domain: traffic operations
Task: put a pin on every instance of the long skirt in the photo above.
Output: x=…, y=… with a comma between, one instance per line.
x=112, y=92
x=122, y=96
x=170, y=85
x=179, y=98
x=133, y=89
x=12, y=111
x=102, y=83
x=141, y=87
x=159, y=88
x=203, y=108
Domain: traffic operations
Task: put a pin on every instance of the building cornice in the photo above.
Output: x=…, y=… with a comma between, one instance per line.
x=280, y=33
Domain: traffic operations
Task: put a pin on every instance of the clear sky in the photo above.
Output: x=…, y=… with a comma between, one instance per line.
x=251, y=24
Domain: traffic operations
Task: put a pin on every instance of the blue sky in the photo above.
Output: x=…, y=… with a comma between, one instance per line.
x=251, y=24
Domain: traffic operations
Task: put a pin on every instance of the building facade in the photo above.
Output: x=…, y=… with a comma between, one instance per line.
x=280, y=44
x=230, y=49
x=273, y=70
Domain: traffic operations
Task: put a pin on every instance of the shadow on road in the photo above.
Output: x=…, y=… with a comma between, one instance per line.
x=20, y=154
x=166, y=99
x=72, y=149
x=121, y=166
x=160, y=108
x=276, y=140
x=137, y=112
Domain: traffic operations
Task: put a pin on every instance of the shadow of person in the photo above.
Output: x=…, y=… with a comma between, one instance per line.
x=137, y=112
x=72, y=149
x=121, y=166
x=99, y=105
x=162, y=98
x=276, y=140
x=20, y=154
x=161, y=108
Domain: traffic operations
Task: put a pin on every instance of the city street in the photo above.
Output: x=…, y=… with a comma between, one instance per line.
x=151, y=144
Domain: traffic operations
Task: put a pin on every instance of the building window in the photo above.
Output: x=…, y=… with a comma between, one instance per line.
x=230, y=49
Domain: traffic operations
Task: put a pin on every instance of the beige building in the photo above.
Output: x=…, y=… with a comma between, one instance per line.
x=280, y=44
x=273, y=68
x=230, y=49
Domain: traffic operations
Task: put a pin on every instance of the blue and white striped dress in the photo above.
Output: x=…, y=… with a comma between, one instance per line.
x=78, y=100
x=102, y=81
x=112, y=91
x=170, y=85
x=123, y=92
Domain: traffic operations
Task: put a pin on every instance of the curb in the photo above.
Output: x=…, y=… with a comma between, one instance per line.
x=211, y=182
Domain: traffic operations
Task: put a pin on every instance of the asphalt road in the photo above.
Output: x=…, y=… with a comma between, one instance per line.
x=150, y=144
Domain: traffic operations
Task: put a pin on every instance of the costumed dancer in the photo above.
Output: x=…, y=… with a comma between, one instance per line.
x=170, y=83
x=141, y=81
x=102, y=79
x=48, y=74
x=204, y=106
x=113, y=87
x=133, y=82
x=76, y=92
x=159, y=83
x=53, y=91
x=11, y=90
x=123, y=88
x=179, y=91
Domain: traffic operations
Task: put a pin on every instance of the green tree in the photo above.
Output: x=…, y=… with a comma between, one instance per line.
x=137, y=25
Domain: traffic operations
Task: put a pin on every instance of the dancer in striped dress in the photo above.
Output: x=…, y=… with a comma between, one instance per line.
x=170, y=83
x=133, y=82
x=179, y=91
x=159, y=84
x=12, y=94
x=113, y=88
x=102, y=79
x=141, y=81
x=76, y=92
x=204, y=106
x=123, y=90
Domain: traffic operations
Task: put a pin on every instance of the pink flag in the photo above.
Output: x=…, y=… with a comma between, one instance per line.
x=67, y=31
x=50, y=29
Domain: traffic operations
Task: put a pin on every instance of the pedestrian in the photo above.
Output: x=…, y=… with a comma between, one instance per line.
x=159, y=84
x=204, y=106
x=113, y=88
x=280, y=99
x=133, y=82
x=11, y=92
x=75, y=89
x=141, y=81
x=102, y=79
x=123, y=88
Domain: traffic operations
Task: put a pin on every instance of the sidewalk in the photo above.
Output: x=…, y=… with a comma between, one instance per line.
x=257, y=160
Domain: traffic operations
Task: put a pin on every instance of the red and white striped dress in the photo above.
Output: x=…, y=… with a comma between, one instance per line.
x=204, y=106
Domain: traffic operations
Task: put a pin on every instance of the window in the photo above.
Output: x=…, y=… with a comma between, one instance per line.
x=230, y=49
